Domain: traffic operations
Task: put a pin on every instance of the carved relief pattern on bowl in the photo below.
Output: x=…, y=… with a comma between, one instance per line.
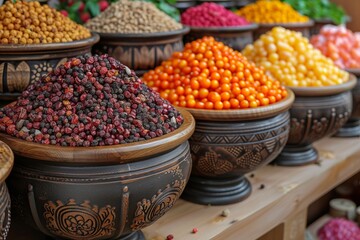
x=216, y=154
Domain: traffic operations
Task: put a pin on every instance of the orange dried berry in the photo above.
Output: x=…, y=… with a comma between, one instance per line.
x=219, y=78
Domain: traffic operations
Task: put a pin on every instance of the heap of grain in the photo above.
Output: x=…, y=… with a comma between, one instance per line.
x=132, y=17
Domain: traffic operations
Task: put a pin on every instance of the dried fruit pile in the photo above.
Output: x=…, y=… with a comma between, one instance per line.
x=29, y=23
x=339, y=44
x=90, y=100
x=339, y=229
x=272, y=11
x=211, y=15
x=210, y=75
x=290, y=58
x=132, y=17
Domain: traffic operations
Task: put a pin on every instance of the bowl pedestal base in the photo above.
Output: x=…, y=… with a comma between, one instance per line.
x=350, y=129
x=217, y=191
x=297, y=156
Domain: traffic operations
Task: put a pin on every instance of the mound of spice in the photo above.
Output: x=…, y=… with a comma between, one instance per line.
x=339, y=229
x=340, y=44
x=210, y=75
x=272, y=11
x=290, y=58
x=211, y=15
x=89, y=101
x=29, y=23
x=132, y=17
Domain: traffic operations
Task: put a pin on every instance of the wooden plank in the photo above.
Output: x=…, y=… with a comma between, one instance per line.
x=287, y=190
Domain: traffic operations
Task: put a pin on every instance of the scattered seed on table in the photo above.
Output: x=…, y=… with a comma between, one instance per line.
x=225, y=213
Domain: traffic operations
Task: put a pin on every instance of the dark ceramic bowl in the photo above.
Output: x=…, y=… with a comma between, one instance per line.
x=352, y=126
x=316, y=113
x=141, y=52
x=225, y=3
x=227, y=144
x=106, y=192
x=319, y=23
x=6, y=164
x=235, y=37
x=182, y=5
x=21, y=65
x=304, y=28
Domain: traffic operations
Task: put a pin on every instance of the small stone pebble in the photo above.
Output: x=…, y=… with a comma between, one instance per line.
x=225, y=213
x=169, y=237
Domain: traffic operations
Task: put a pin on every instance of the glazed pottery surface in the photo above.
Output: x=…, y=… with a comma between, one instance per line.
x=108, y=199
x=234, y=37
x=304, y=28
x=230, y=143
x=141, y=52
x=316, y=113
x=21, y=65
x=6, y=164
x=352, y=126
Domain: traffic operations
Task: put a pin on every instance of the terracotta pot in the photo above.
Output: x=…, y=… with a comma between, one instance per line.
x=6, y=164
x=21, y=65
x=141, y=52
x=106, y=192
x=235, y=37
x=304, y=28
x=316, y=113
x=227, y=144
x=352, y=126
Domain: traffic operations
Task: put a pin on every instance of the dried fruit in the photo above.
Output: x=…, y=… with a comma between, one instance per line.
x=89, y=101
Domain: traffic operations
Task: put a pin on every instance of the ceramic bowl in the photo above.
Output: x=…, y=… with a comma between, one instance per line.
x=21, y=65
x=225, y=3
x=182, y=5
x=141, y=52
x=352, y=126
x=316, y=113
x=227, y=144
x=234, y=37
x=6, y=164
x=108, y=192
x=304, y=28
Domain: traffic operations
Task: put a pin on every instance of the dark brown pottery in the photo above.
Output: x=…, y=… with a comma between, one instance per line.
x=352, y=126
x=242, y=3
x=225, y=3
x=316, y=113
x=182, y=5
x=141, y=52
x=97, y=193
x=6, y=164
x=304, y=28
x=230, y=143
x=235, y=37
x=21, y=65
x=319, y=23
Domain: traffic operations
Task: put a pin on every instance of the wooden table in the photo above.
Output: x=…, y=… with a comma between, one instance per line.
x=275, y=212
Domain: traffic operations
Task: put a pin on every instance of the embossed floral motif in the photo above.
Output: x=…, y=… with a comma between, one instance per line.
x=212, y=163
x=76, y=221
x=149, y=211
x=43, y=68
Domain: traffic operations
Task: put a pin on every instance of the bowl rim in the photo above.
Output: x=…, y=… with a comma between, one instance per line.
x=114, y=154
x=355, y=71
x=184, y=30
x=94, y=38
x=249, y=27
x=6, y=167
x=326, y=90
x=309, y=23
x=232, y=115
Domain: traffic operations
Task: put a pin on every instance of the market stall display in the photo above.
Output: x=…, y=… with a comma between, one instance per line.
x=137, y=34
x=234, y=103
x=34, y=40
x=146, y=157
x=6, y=164
x=323, y=99
x=269, y=14
x=211, y=19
